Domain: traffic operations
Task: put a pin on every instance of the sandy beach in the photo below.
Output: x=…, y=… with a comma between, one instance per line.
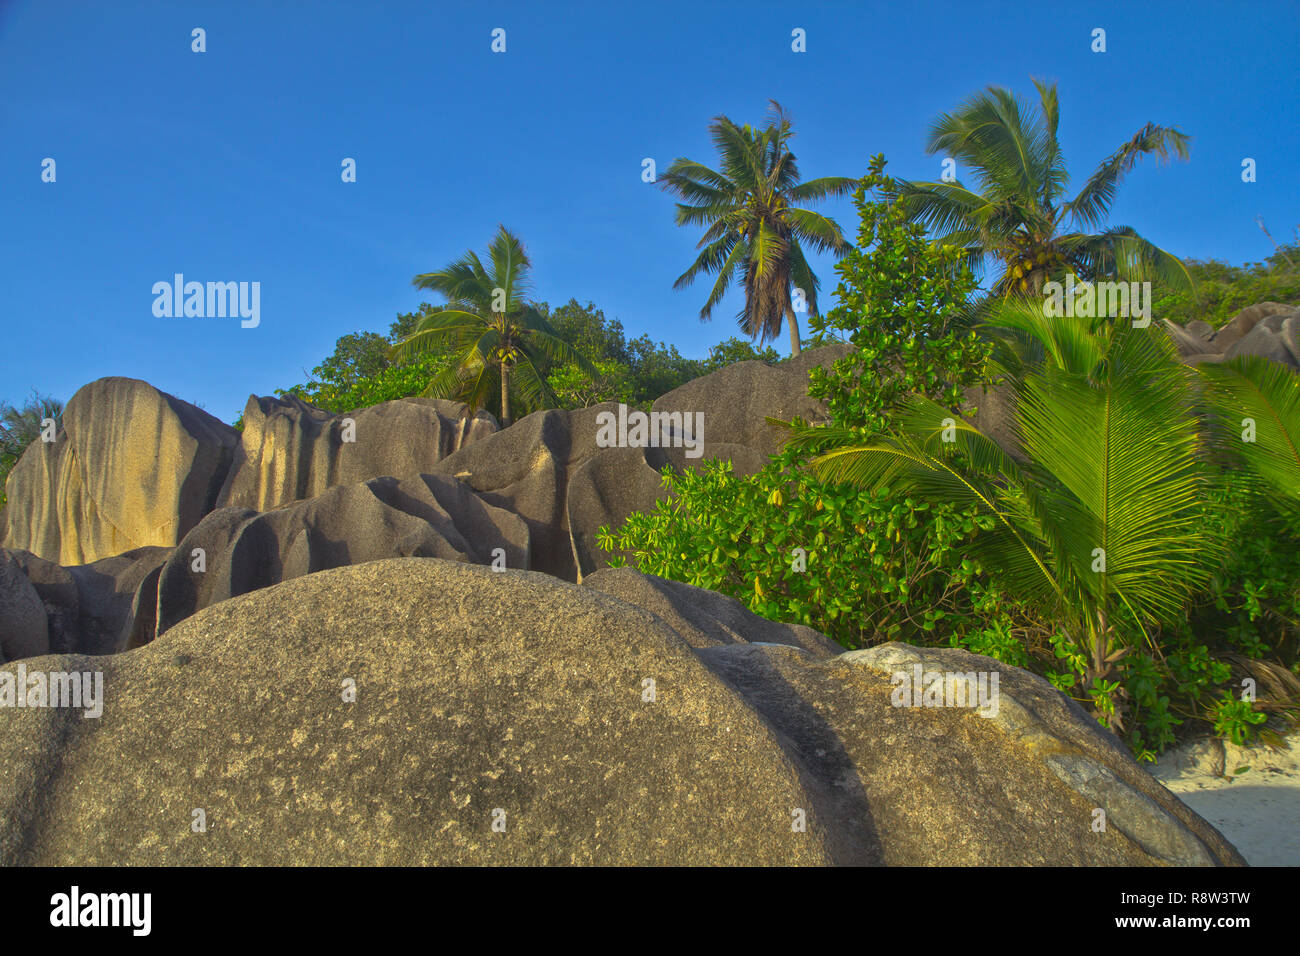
x=1258, y=808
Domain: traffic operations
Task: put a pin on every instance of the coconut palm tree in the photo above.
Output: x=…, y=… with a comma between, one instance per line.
x=755, y=226
x=1015, y=217
x=502, y=343
x=1098, y=520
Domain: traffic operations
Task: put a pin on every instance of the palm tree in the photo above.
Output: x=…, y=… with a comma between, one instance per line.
x=1099, y=522
x=19, y=427
x=502, y=343
x=1015, y=217
x=754, y=224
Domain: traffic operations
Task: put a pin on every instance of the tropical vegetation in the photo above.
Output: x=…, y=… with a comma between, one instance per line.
x=1015, y=219
x=1125, y=526
x=500, y=341
x=1102, y=548
x=755, y=230
x=19, y=427
x=1223, y=290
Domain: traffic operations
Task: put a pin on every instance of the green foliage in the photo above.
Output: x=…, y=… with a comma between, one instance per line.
x=902, y=305
x=876, y=567
x=1015, y=217
x=356, y=356
x=19, y=427
x=1252, y=391
x=501, y=343
x=634, y=372
x=1236, y=719
x=1102, y=526
x=879, y=565
x=1223, y=290
x=737, y=350
x=386, y=385
x=361, y=372
x=1246, y=615
x=574, y=388
x=588, y=330
x=965, y=546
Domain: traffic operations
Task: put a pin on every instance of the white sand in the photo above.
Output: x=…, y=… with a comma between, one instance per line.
x=1258, y=810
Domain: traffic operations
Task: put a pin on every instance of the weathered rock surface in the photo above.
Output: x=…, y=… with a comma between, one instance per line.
x=1260, y=329
x=297, y=498
x=1247, y=318
x=1263, y=342
x=236, y=550
x=1187, y=341
x=549, y=469
x=23, y=628
x=705, y=618
x=1290, y=335
x=589, y=729
x=131, y=467
x=1240, y=325
x=89, y=608
x=604, y=490
x=995, y=416
x=526, y=469
x=1273, y=322
x=738, y=399
x=290, y=451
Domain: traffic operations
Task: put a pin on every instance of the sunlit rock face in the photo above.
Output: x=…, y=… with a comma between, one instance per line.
x=290, y=451
x=131, y=467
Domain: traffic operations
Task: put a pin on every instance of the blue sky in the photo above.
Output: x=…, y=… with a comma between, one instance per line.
x=225, y=165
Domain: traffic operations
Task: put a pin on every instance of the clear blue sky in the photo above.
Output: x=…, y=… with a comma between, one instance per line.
x=225, y=165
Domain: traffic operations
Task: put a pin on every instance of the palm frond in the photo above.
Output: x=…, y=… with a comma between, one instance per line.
x=1256, y=407
x=1094, y=200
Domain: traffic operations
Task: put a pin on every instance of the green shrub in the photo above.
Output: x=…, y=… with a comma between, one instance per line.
x=903, y=307
x=1223, y=290
x=389, y=384
x=858, y=567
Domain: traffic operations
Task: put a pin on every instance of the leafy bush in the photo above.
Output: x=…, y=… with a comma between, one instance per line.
x=1223, y=290
x=859, y=567
x=386, y=385
x=359, y=372
x=634, y=372
x=903, y=303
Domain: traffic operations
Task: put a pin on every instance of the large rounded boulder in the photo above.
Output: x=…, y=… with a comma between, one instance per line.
x=420, y=711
